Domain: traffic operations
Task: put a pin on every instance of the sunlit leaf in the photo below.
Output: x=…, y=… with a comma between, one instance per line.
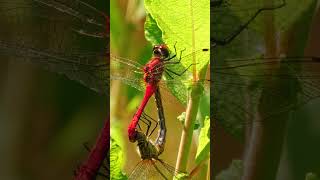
x=152, y=32
x=184, y=25
x=116, y=161
x=203, y=150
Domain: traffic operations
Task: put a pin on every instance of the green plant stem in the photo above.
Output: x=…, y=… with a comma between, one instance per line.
x=187, y=132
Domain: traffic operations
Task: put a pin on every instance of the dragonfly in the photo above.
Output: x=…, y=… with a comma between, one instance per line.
x=152, y=74
x=147, y=78
x=255, y=80
x=150, y=166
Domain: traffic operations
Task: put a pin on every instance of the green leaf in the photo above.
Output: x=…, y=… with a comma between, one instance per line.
x=204, y=106
x=152, y=32
x=116, y=161
x=185, y=25
x=181, y=176
x=203, y=150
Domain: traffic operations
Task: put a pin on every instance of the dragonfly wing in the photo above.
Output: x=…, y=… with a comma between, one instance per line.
x=56, y=44
x=135, y=83
x=140, y=172
x=127, y=71
x=153, y=170
x=121, y=62
x=167, y=170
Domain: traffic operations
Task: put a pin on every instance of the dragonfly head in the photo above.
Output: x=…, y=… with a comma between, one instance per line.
x=161, y=51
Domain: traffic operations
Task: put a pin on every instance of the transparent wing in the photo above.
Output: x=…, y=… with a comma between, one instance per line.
x=66, y=37
x=153, y=169
x=127, y=71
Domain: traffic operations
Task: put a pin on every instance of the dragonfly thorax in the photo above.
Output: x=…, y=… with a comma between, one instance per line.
x=153, y=70
x=146, y=148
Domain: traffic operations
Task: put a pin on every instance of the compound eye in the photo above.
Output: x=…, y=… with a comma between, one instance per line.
x=156, y=52
x=161, y=51
x=164, y=52
x=155, y=47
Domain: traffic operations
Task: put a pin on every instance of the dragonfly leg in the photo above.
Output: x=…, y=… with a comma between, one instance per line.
x=168, y=74
x=146, y=121
x=151, y=119
x=139, y=127
x=170, y=58
x=178, y=74
x=175, y=62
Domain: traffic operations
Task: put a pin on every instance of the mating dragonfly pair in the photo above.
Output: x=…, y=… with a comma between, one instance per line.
x=151, y=167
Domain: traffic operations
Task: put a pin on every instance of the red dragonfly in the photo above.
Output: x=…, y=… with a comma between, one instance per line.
x=151, y=167
x=149, y=77
x=152, y=74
